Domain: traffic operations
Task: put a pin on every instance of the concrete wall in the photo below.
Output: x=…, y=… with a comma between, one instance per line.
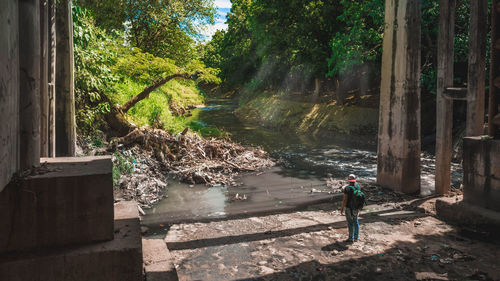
x=9, y=90
x=482, y=172
x=398, y=160
x=70, y=201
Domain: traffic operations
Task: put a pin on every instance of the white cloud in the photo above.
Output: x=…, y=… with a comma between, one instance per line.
x=209, y=30
x=222, y=4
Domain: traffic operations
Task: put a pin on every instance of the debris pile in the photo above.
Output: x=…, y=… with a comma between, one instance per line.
x=155, y=155
x=146, y=182
x=196, y=160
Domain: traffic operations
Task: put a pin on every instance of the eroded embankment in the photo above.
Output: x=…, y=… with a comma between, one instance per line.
x=310, y=118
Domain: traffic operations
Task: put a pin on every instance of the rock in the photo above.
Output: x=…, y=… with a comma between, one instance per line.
x=266, y=270
x=446, y=260
x=430, y=276
x=262, y=262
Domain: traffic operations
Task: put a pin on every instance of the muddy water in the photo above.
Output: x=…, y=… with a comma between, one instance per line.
x=305, y=164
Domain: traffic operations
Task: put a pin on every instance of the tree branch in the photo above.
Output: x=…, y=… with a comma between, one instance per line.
x=145, y=93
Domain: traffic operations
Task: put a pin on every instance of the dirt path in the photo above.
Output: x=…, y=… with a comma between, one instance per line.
x=397, y=242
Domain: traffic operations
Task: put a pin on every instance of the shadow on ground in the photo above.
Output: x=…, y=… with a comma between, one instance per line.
x=425, y=259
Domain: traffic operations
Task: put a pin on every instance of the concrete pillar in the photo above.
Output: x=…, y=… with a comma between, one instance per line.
x=29, y=81
x=44, y=86
x=51, y=77
x=398, y=164
x=444, y=106
x=477, y=66
x=9, y=90
x=65, y=97
x=494, y=102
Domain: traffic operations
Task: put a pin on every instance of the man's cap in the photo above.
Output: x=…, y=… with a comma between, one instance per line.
x=352, y=178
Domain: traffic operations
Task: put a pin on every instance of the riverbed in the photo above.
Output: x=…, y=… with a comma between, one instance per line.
x=305, y=163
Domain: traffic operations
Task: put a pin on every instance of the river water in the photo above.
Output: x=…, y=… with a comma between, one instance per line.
x=305, y=162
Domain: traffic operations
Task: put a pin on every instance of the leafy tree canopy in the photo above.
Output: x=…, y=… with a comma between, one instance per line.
x=164, y=28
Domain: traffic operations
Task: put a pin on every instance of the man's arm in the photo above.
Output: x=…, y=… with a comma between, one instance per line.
x=344, y=202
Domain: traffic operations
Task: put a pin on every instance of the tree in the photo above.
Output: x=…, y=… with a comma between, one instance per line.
x=163, y=28
x=102, y=60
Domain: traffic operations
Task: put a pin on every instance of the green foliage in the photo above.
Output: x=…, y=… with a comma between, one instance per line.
x=93, y=59
x=285, y=44
x=107, y=69
x=361, y=40
x=159, y=27
x=143, y=67
x=274, y=43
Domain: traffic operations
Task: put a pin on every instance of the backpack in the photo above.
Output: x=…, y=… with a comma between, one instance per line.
x=358, y=199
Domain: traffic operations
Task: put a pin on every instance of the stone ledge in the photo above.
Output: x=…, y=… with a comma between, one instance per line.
x=117, y=260
x=70, y=203
x=464, y=214
x=158, y=263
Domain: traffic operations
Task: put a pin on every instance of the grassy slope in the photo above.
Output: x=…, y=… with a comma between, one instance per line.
x=312, y=118
x=185, y=94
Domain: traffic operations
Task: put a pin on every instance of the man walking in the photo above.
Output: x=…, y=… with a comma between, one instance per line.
x=351, y=210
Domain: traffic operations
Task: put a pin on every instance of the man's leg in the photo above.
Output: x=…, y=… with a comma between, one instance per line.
x=355, y=224
x=350, y=222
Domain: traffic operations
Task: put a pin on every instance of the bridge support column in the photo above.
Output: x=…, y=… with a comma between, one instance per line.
x=398, y=165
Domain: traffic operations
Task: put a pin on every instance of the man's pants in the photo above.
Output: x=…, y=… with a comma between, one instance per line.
x=352, y=223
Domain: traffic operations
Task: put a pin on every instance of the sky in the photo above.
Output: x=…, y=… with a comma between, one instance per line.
x=223, y=7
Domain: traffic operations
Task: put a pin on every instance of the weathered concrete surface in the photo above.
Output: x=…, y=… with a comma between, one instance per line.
x=70, y=201
x=65, y=96
x=398, y=163
x=117, y=260
x=482, y=172
x=397, y=242
x=29, y=83
x=9, y=91
x=476, y=79
x=456, y=211
x=158, y=263
x=444, y=106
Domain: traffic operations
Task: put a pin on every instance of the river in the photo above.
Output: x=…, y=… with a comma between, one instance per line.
x=305, y=163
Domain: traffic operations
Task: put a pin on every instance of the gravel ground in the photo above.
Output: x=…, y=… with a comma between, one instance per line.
x=398, y=241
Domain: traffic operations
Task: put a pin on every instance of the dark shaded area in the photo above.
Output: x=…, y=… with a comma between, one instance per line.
x=421, y=260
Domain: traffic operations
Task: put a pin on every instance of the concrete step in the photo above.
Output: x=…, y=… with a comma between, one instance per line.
x=462, y=213
x=117, y=260
x=68, y=201
x=158, y=263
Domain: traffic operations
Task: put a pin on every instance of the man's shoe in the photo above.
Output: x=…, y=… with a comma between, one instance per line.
x=355, y=240
x=348, y=241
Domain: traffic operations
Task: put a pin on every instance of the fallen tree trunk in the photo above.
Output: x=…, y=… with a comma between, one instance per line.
x=116, y=116
x=145, y=93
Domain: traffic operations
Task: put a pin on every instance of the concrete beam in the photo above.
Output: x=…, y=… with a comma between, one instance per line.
x=9, y=91
x=398, y=164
